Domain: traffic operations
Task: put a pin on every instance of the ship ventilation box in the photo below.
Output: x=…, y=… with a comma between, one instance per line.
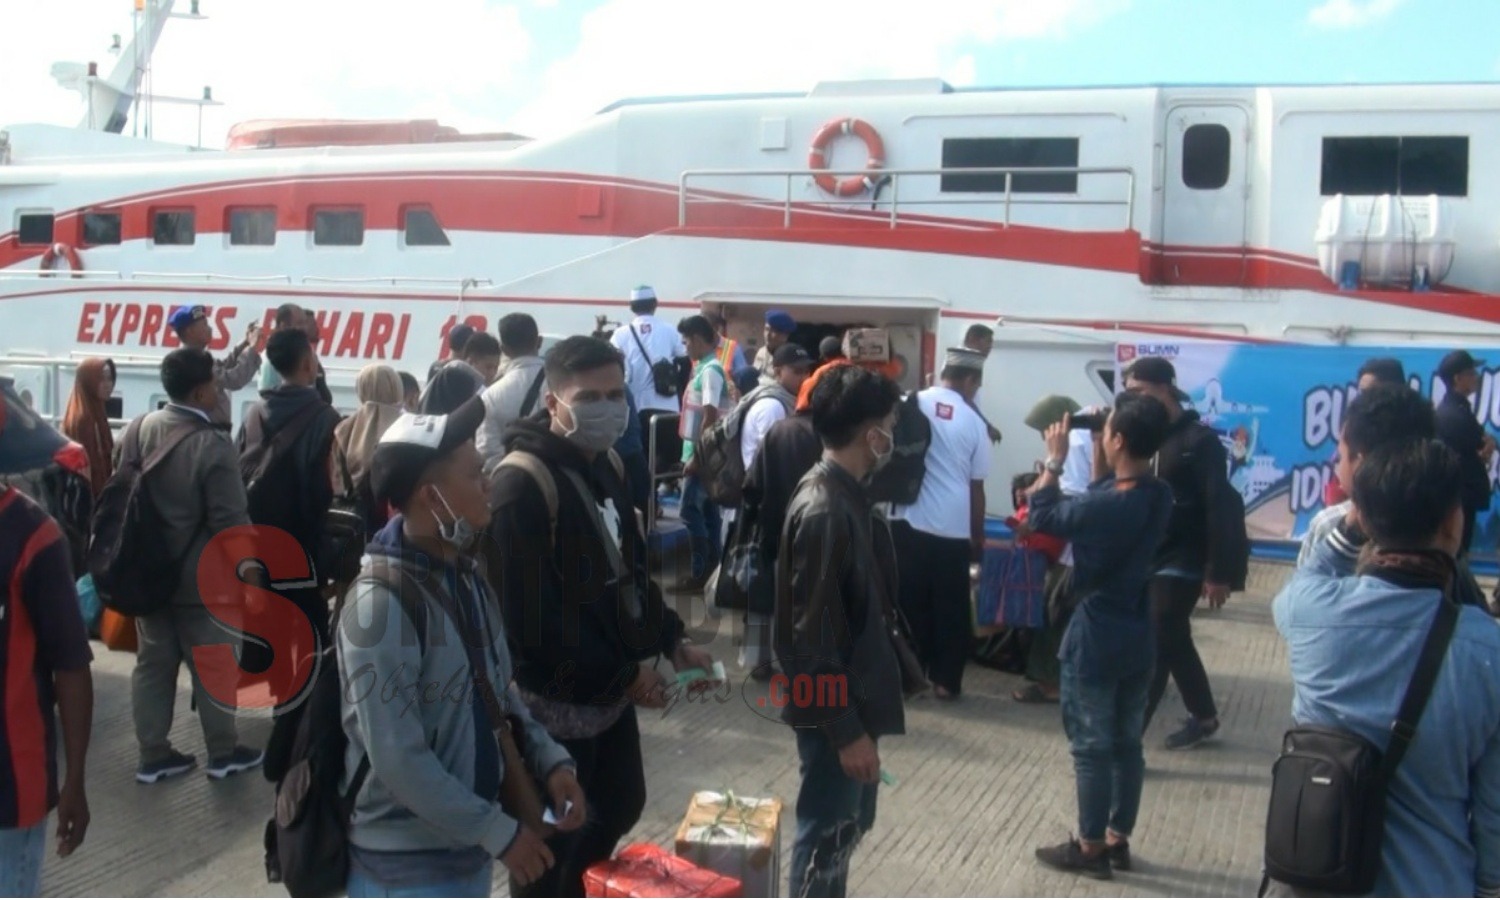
x=1389, y=237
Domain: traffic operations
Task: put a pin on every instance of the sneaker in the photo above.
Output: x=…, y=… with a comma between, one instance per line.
x=1119, y=856
x=1069, y=857
x=168, y=767
x=241, y=759
x=1192, y=733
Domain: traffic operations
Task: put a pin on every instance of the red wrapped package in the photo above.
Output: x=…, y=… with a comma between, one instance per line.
x=646, y=870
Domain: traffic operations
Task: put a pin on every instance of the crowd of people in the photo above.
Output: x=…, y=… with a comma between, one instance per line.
x=500, y=540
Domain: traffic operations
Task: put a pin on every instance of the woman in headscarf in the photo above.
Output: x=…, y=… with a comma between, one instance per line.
x=380, y=396
x=86, y=421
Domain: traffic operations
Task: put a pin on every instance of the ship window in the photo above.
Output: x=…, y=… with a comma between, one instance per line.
x=173, y=227
x=1396, y=165
x=1205, y=157
x=34, y=228
x=101, y=229
x=422, y=228
x=251, y=227
x=338, y=227
x=1018, y=153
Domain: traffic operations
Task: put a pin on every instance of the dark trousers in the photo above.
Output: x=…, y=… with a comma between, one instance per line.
x=614, y=781
x=668, y=443
x=833, y=813
x=1172, y=603
x=1102, y=717
x=934, y=595
x=1041, y=661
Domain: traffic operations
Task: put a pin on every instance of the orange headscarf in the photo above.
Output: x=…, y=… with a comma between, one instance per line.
x=86, y=421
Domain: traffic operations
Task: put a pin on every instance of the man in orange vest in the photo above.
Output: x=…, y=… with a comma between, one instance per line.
x=728, y=353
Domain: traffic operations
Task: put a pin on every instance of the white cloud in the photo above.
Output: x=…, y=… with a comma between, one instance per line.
x=1351, y=13
x=279, y=58
x=472, y=63
x=634, y=48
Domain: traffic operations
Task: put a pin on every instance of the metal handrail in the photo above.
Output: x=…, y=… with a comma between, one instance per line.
x=208, y=276
x=684, y=196
x=656, y=477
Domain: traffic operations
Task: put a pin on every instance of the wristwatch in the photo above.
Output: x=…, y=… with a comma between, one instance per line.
x=1055, y=467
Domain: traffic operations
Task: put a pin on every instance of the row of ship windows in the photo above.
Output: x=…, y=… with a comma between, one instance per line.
x=246, y=227
x=1350, y=165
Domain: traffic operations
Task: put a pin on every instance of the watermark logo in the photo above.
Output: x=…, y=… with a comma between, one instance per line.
x=807, y=691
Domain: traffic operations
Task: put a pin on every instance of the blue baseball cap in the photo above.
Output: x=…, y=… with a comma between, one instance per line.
x=184, y=316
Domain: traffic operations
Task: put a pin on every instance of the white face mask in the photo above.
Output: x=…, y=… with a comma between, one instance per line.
x=459, y=533
x=597, y=424
x=883, y=459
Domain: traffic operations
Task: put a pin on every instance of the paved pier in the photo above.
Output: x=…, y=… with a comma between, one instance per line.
x=981, y=783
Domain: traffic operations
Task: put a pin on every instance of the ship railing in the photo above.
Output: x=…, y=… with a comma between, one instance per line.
x=895, y=189
x=209, y=276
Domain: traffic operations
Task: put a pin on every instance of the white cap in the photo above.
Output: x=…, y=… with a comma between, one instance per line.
x=644, y=292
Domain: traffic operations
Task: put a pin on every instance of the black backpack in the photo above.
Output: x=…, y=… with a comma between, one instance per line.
x=721, y=465
x=307, y=838
x=1326, y=820
x=264, y=460
x=132, y=570
x=665, y=377
x=900, y=481
x=1238, y=553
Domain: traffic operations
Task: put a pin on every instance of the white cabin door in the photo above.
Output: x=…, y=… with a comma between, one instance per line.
x=1203, y=212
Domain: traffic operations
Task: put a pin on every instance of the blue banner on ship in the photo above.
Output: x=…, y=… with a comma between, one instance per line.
x=1278, y=410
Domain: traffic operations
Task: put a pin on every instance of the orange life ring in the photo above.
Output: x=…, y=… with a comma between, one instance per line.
x=817, y=156
x=67, y=253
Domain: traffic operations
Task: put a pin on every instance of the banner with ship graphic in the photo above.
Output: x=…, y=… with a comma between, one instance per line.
x=1278, y=410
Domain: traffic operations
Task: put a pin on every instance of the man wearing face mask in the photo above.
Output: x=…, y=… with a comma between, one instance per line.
x=420, y=616
x=834, y=593
x=586, y=619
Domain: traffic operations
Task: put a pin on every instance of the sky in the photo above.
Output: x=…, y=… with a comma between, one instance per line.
x=539, y=67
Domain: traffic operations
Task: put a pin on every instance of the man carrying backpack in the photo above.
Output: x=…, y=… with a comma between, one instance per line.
x=569, y=563
x=436, y=764
x=197, y=493
x=1203, y=554
x=284, y=445
x=757, y=413
x=651, y=347
x=1357, y=617
x=518, y=392
x=705, y=402
x=942, y=533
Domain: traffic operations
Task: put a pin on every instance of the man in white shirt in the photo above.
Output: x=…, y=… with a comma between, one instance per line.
x=767, y=405
x=519, y=392
x=940, y=535
x=645, y=341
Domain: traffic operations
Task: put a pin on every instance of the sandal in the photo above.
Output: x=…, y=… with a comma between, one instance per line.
x=1032, y=693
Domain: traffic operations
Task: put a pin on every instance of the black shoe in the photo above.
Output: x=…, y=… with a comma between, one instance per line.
x=1192, y=733
x=1069, y=857
x=1119, y=856
x=241, y=759
x=167, y=767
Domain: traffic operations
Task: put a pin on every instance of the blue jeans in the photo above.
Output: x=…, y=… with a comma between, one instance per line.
x=704, y=524
x=22, y=851
x=1103, y=718
x=833, y=812
x=476, y=885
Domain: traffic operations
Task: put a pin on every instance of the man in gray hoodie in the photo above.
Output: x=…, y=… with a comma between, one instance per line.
x=427, y=821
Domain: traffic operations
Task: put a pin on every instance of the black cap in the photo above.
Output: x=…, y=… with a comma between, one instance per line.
x=790, y=354
x=1156, y=370
x=412, y=443
x=1456, y=363
x=1385, y=369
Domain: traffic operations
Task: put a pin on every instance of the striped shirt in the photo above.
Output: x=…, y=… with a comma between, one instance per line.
x=41, y=632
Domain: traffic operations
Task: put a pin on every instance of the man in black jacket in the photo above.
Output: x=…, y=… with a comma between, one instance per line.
x=284, y=444
x=1194, y=559
x=1458, y=427
x=582, y=613
x=835, y=590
